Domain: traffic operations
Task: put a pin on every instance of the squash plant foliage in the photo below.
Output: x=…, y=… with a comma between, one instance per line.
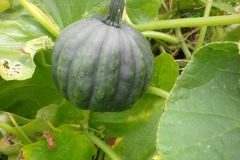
x=190, y=111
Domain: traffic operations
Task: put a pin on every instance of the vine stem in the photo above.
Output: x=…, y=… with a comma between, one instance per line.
x=158, y=92
x=40, y=16
x=19, y=129
x=162, y=36
x=189, y=22
x=102, y=145
x=52, y=127
x=11, y=130
x=204, y=28
x=126, y=18
x=183, y=44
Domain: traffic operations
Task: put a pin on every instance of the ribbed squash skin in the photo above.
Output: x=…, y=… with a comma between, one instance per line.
x=101, y=67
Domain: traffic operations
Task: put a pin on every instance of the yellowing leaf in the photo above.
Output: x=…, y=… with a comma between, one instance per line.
x=18, y=64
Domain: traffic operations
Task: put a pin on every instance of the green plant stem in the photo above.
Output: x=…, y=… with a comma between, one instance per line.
x=52, y=127
x=204, y=28
x=158, y=92
x=162, y=36
x=183, y=44
x=10, y=129
x=172, y=48
x=126, y=17
x=115, y=13
x=102, y=146
x=28, y=140
x=189, y=22
x=40, y=16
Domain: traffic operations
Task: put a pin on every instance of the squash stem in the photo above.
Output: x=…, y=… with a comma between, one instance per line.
x=158, y=92
x=114, y=17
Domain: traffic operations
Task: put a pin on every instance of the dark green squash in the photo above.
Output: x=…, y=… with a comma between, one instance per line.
x=101, y=63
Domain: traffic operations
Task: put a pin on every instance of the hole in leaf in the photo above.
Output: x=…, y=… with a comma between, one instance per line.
x=11, y=69
x=6, y=64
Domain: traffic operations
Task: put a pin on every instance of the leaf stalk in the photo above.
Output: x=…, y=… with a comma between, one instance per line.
x=204, y=28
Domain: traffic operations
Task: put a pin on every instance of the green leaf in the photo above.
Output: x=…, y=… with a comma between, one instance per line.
x=191, y=5
x=232, y=33
x=201, y=119
x=63, y=13
x=17, y=27
x=186, y=5
x=140, y=142
x=117, y=124
x=142, y=11
x=69, y=145
x=166, y=72
x=34, y=132
x=135, y=128
x=65, y=113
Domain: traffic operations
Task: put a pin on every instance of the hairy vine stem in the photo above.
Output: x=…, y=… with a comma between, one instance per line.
x=11, y=130
x=162, y=36
x=158, y=92
x=102, y=145
x=183, y=44
x=204, y=28
x=189, y=22
x=28, y=140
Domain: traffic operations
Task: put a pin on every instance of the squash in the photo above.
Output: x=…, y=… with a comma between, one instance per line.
x=101, y=63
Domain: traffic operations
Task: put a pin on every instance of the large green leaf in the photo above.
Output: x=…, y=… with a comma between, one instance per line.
x=142, y=11
x=202, y=115
x=69, y=145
